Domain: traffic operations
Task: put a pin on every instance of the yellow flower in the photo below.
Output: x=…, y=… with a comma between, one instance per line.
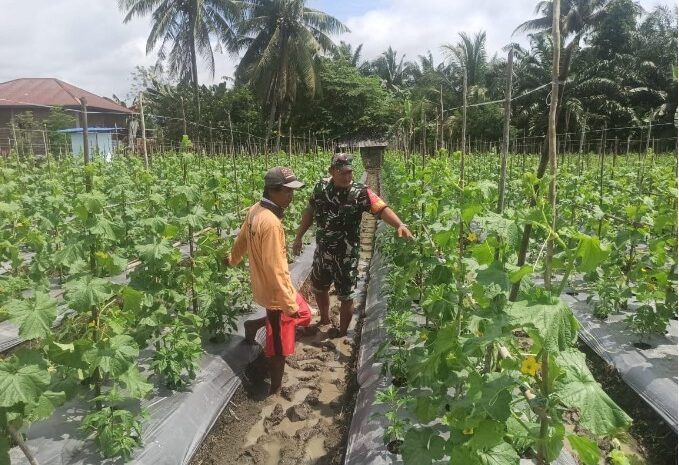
x=529, y=366
x=471, y=237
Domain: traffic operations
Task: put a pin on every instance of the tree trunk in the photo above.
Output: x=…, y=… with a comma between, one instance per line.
x=464, y=112
x=278, y=135
x=194, y=65
x=19, y=440
x=556, y=50
x=460, y=240
x=424, y=134
x=231, y=148
x=269, y=124
x=556, y=53
x=528, y=228
x=505, y=135
x=582, y=135
x=181, y=100
x=143, y=129
x=443, y=145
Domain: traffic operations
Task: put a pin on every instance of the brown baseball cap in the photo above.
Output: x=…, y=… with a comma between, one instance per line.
x=282, y=176
x=342, y=161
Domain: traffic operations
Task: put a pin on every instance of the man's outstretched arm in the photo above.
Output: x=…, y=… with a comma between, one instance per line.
x=304, y=225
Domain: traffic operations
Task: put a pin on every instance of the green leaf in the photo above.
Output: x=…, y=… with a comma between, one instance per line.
x=553, y=441
x=496, y=395
x=87, y=292
x=518, y=275
x=33, y=316
x=556, y=325
x=483, y=253
x=502, y=454
x=89, y=203
x=158, y=250
x=23, y=378
x=426, y=408
x=578, y=388
x=114, y=356
x=422, y=446
x=111, y=263
x=493, y=274
x=591, y=253
x=46, y=404
x=69, y=254
x=69, y=355
x=586, y=449
x=441, y=275
x=618, y=457
x=103, y=229
x=8, y=209
x=132, y=299
x=134, y=383
x=92, y=201
x=470, y=211
x=487, y=435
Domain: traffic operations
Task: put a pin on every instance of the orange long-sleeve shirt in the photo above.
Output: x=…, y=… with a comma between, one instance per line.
x=262, y=238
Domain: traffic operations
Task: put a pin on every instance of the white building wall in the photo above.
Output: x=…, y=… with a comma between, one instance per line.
x=100, y=143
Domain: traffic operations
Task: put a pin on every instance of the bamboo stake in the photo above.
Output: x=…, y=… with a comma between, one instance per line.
x=556, y=60
x=19, y=440
x=556, y=37
x=143, y=130
x=460, y=300
x=505, y=135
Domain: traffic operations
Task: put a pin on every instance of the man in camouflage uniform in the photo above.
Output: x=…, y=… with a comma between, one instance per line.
x=337, y=205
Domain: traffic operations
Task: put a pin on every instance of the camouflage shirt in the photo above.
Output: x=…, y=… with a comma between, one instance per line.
x=338, y=213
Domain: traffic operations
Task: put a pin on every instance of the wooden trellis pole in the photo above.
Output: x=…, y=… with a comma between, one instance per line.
x=143, y=130
x=505, y=135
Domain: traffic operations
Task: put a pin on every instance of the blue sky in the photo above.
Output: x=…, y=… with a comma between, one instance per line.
x=85, y=42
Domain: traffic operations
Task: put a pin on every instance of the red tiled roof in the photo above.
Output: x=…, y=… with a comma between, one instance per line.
x=28, y=92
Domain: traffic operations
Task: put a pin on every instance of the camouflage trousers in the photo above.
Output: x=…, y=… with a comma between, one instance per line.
x=335, y=268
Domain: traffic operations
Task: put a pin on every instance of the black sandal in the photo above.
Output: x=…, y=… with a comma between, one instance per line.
x=334, y=333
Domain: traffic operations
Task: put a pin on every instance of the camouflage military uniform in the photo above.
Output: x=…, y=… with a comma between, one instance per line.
x=338, y=213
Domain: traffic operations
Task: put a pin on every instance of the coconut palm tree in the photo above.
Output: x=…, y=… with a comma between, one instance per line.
x=470, y=54
x=395, y=72
x=405, y=124
x=346, y=52
x=186, y=29
x=282, y=40
x=578, y=17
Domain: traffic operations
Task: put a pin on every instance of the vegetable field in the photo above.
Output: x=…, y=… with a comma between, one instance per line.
x=113, y=281
x=480, y=353
x=531, y=318
x=105, y=260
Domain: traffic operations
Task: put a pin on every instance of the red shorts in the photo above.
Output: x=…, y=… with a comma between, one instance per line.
x=280, y=329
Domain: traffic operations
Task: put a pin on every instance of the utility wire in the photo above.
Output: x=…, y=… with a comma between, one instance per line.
x=503, y=100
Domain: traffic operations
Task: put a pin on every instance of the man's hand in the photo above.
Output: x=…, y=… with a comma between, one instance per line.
x=297, y=247
x=403, y=232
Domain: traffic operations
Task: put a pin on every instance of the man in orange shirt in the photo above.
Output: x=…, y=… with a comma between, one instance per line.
x=262, y=238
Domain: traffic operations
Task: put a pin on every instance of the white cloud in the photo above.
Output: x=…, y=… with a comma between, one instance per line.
x=86, y=43
x=83, y=42
x=415, y=26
